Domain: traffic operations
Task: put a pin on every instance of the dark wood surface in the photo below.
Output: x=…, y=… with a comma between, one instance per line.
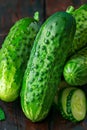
x=10, y=12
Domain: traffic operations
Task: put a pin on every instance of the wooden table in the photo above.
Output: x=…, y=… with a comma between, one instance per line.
x=11, y=11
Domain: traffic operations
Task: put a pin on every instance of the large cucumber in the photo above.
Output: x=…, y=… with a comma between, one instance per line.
x=14, y=55
x=45, y=66
x=75, y=69
x=80, y=38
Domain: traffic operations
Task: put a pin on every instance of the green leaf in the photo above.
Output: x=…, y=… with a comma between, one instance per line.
x=2, y=114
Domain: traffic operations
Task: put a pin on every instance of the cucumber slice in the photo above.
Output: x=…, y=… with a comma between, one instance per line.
x=64, y=96
x=78, y=105
x=72, y=103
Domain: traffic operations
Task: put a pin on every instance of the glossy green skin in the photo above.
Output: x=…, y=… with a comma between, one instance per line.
x=45, y=66
x=75, y=70
x=14, y=55
x=80, y=38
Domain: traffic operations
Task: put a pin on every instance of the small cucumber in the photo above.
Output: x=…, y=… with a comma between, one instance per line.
x=75, y=69
x=80, y=38
x=45, y=66
x=62, y=99
x=14, y=54
x=72, y=103
x=63, y=84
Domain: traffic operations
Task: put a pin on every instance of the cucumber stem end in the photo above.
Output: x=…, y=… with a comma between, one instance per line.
x=70, y=9
x=36, y=16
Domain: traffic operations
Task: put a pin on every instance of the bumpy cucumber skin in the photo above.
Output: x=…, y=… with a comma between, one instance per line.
x=14, y=55
x=75, y=70
x=80, y=38
x=45, y=67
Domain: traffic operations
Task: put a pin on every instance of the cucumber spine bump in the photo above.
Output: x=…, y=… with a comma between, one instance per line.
x=45, y=66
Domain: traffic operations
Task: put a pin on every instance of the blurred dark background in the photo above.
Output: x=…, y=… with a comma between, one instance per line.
x=12, y=10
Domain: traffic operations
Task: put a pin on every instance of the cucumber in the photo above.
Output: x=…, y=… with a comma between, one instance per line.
x=14, y=54
x=45, y=66
x=80, y=38
x=75, y=69
x=62, y=100
x=73, y=104
x=62, y=84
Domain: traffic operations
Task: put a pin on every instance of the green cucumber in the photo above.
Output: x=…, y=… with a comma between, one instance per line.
x=45, y=66
x=78, y=105
x=62, y=84
x=14, y=55
x=63, y=94
x=80, y=38
x=73, y=104
x=75, y=69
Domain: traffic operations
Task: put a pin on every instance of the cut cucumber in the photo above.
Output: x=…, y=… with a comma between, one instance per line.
x=63, y=84
x=64, y=96
x=73, y=104
x=78, y=105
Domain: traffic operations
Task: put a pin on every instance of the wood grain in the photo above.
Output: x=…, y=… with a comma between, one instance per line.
x=11, y=11
x=60, y=5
